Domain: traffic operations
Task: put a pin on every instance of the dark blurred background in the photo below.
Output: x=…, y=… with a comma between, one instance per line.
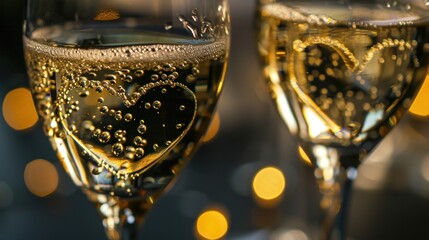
x=251, y=157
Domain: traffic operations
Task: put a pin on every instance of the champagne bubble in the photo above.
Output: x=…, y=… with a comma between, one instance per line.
x=167, y=67
x=92, y=74
x=119, y=134
x=99, y=89
x=128, y=78
x=155, y=147
x=109, y=127
x=105, y=83
x=154, y=77
x=104, y=109
x=182, y=108
x=164, y=76
x=128, y=117
x=118, y=116
x=179, y=126
x=111, y=91
x=139, y=73
x=164, y=90
x=97, y=170
x=117, y=149
x=141, y=129
x=83, y=82
x=168, y=143
x=96, y=132
x=100, y=100
x=121, y=90
x=147, y=105
x=141, y=122
x=171, y=77
x=104, y=137
x=135, y=96
x=139, y=141
x=110, y=77
x=157, y=104
x=84, y=94
x=139, y=152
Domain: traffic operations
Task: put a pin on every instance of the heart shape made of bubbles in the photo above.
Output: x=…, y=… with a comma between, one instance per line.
x=298, y=69
x=126, y=126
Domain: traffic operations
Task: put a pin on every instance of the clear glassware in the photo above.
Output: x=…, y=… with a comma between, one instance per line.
x=126, y=91
x=342, y=73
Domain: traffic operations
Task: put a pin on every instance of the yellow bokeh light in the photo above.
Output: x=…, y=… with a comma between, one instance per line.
x=212, y=225
x=41, y=177
x=18, y=109
x=420, y=105
x=213, y=128
x=269, y=184
x=304, y=156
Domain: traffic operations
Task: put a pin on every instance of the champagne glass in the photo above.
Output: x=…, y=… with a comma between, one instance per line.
x=342, y=73
x=126, y=90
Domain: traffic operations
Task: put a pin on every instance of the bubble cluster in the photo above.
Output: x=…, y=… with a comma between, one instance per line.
x=345, y=75
x=121, y=106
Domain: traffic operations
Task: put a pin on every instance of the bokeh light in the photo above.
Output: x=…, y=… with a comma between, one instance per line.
x=211, y=225
x=213, y=128
x=41, y=177
x=420, y=105
x=18, y=109
x=269, y=184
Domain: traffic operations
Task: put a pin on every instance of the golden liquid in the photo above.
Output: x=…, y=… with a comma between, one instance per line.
x=342, y=75
x=125, y=119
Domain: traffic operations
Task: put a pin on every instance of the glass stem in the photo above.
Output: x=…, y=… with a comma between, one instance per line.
x=121, y=218
x=335, y=203
x=121, y=223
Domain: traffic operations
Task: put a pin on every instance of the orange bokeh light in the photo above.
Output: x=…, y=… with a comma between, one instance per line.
x=18, y=109
x=41, y=177
x=212, y=225
x=269, y=184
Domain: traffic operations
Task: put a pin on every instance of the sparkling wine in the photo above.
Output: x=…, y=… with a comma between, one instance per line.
x=124, y=118
x=342, y=75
